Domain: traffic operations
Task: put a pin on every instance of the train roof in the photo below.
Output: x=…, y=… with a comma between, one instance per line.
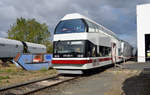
x=9, y=41
x=79, y=16
x=35, y=45
x=126, y=43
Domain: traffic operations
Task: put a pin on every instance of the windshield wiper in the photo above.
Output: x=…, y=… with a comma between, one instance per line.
x=75, y=52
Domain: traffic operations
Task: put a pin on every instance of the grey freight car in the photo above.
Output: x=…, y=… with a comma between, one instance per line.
x=10, y=48
x=126, y=50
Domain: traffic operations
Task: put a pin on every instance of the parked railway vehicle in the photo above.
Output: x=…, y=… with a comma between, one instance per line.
x=82, y=44
x=126, y=50
x=10, y=48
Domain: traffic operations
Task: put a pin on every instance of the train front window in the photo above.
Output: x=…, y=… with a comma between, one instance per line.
x=69, y=49
x=70, y=26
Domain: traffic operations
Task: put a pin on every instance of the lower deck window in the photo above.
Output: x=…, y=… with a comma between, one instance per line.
x=75, y=49
x=97, y=51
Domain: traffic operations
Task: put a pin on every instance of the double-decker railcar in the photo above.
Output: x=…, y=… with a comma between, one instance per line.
x=9, y=48
x=81, y=44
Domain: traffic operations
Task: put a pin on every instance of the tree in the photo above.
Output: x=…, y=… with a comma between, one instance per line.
x=30, y=30
x=49, y=46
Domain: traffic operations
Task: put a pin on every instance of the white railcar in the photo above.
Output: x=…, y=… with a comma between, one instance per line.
x=81, y=44
x=10, y=48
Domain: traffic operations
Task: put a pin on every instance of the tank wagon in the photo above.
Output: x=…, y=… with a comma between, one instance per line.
x=81, y=44
x=10, y=48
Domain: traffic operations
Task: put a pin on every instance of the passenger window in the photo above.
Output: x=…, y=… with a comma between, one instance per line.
x=97, y=28
x=94, y=27
x=119, y=52
x=97, y=51
x=94, y=51
x=107, y=51
x=91, y=50
x=101, y=51
x=91, y=26
x=104, y=51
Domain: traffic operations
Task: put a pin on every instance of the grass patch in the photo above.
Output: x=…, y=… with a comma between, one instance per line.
x=1, y=71
x=12, y=75
x=4, y=77
x=9, y=70
x=6, y=71
x=43, y=69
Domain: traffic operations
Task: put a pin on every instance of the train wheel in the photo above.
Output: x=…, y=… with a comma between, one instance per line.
x=4, y=62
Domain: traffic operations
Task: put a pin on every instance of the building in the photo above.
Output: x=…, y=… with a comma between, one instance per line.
x=143, y=32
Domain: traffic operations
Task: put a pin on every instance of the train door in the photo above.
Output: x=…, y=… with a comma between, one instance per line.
x=147, y=47
x=113, y=52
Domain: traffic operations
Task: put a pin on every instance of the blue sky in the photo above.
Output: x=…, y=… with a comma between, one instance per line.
x=117, y=15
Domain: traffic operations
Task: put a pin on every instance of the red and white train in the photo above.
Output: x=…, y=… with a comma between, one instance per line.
x=82, y=44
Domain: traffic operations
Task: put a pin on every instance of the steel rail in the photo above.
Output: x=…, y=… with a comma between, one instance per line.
x=51, y=81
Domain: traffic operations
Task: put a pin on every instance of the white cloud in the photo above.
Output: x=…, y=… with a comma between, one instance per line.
x=3, y=33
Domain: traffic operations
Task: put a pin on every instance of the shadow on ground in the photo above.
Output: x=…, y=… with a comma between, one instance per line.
x=138, y=85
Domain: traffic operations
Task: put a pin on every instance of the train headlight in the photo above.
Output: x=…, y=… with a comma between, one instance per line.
x=56, y=56
x=80, y=55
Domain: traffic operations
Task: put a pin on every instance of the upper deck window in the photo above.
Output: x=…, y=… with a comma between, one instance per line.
x=70, y=26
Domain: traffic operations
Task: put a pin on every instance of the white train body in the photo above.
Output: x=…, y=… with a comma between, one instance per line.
x=81, y=44
x=10, y=48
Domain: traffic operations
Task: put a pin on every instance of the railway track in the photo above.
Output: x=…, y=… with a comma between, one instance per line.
x=35, y=86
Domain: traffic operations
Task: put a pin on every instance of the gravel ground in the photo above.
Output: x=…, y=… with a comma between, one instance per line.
x=136, y=66
x=82, y=86
x=109, y=82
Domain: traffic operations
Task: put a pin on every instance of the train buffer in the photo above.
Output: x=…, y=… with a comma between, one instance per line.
x=33, y=61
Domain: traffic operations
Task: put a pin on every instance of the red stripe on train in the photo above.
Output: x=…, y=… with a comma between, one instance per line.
x=78, y=61
x=71, y=61
x=104, y=59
